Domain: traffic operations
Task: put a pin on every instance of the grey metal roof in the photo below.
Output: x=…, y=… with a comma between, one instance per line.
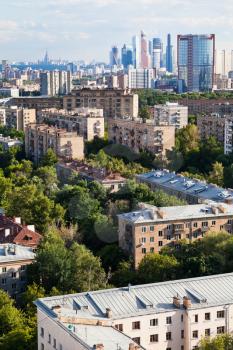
x=151, y=214
x=13, y=252
x=145, y=299
x=180, y=183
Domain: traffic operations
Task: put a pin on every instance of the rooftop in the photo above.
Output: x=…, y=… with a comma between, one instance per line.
x=180, y=183
x=13, y=252
x=150, y=213
x=135, y=301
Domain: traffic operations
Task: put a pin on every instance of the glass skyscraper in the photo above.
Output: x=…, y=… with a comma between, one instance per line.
x=169, y=63
x=126, y=56
x=196, y=62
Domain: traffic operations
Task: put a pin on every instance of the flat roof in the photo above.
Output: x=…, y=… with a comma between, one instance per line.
x=193, y=187
x=12, y=252
x=135, y=301
x=151, y=214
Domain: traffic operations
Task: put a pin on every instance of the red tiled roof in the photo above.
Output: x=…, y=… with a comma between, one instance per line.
x=18, y=233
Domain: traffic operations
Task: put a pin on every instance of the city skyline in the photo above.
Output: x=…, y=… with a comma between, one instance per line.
x=76, y=30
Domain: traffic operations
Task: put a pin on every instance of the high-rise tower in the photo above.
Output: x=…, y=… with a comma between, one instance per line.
x=169, y=61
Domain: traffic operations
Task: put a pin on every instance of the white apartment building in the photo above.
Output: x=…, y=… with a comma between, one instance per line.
x=173, y=315
x=141, y=78
x=55, y=83
x=171, y=114
x=8, y=142
x=228, y=137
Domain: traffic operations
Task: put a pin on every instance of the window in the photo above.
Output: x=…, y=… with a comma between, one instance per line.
x=152, y=228
x=154, y=338
x=119, y=327
x=23, y=268
x=144, y=229
x=213, y=223
x=13, y=274
x=207, y=316
x=182, y=318
x=187, y=236
x=4, y=269
x=49, y=340
x=195, y=224
x=229, y=222
x=220, y=330
x=169, y=320
x=143, y=240
x=182, y=347
x=54, y=343
x=168, y=348
x=220, y=314
x=152, y=239
x=168, y=227
x=60, y=347
x=154, y=322
x=152, y=250
x=221, y=227
x=137, y=340
x=168, y=336
x=143, y=250
x=207, y=332
x=13, y=286
x=160, y=243
x=187, y=225
x=182, y=334
x=160, y=233
x=42, y=332
x=136, y=325
x=204, y=224
x=195, y=334
x=42, y=346
x=195, y=318
x=168, y=238
x=3, y=280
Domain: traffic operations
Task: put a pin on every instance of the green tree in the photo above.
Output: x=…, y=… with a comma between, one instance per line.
x=10, y=316
x=216, y=175
x=228, y=176
x=187, y=139
x=221, y=342
x=49, y=179
x=49, y=159
x=144, y=113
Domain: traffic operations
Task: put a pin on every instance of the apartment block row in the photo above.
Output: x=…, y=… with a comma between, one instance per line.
x=149, y=229
x=172, y=315
x=17, y=118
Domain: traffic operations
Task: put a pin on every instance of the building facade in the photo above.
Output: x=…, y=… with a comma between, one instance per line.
x=17, y=118
x=173, y=315
x=144, y=52
x=114, y=102
x=14, y=260
x=169, y=55
x=141, y=78
x=87, y=122
x=211, y=125
x=40, y=137
x=55, y=83
x=196, y=62
x=228, y=139
x=171, y=114
x=207, y=106
x=141, y=135
x=150, y=229
x=36, y=102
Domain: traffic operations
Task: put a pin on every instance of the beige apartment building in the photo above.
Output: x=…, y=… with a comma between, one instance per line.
x=87, y=122
x=114, y=102
x=141, y=135
x=149, y=229
x=40, y=137
x=17, y=118
x=171, y=114
x=211, y=125
x=14, y=260
x=172, y=315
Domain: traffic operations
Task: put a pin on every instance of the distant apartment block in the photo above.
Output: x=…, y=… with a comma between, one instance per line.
x=40, y=137
x=141, y=135
x=173, y=315
x=171, y=114
x=55, y=83
x=9, y=92
x=109, y=180
x=17, y=118
x=192, y=190
x=149, y=229
x=211, y=125
x=141, y=78
x=36, y=102
x=208, y=105
x=14, y=260
x=87, y=122
x=228, y=141
x=8, y=142
x=114, y=102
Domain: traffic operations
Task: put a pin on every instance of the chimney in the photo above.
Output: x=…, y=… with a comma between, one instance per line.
x=108, y=313
x=214, y=209
x=98, y=347
x=222, y=209
x=176, y=301
x=17, y=220
x=161, y=214
x=187, y=302
x=31, y=228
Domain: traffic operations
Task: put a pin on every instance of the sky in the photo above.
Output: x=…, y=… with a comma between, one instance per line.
x=86, y=29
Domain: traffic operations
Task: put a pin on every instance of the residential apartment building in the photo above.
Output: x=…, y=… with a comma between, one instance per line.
x=211, y=125
x=114, y=102
x=141, y=78
x=172, y=315
x=17, y=118
x=149, y=229
x=13, y=231
x=40, y=137
x=14, y=260
x=109, y=180
x=36, y=102
x=55, y=83
x=8, y=142
x=87, y=122
x=208, y=106
x=171, y=114
x=191, y=190
x=141, y=135
x=228, y=140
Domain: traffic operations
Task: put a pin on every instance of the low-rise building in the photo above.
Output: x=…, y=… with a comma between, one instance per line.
x=8, y=142
x=160, y=316
x=13, y=231
x=193, y=191
x=149, y=229
x=109, y=180
x=17, y=118
x=114, y=102
x=87, y=122
x=141, y=135
x=40, y=137
x=171, y=114
x=14, y=260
